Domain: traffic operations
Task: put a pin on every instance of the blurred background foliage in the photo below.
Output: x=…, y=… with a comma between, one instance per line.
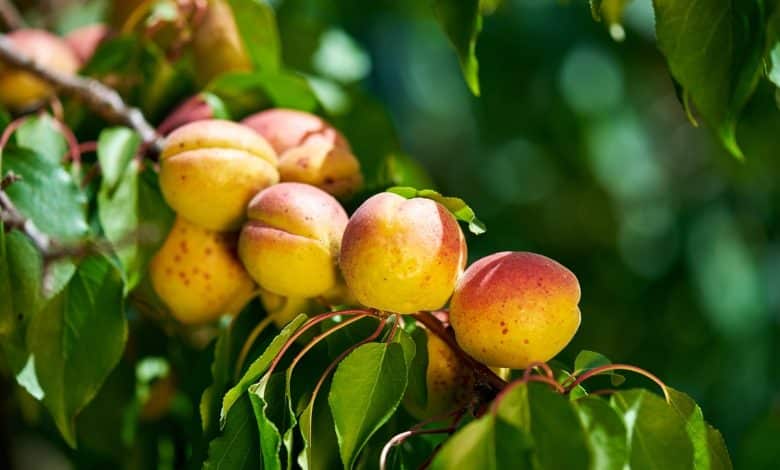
x=577, y=148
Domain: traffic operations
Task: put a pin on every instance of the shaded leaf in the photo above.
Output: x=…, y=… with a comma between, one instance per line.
x=236, y=448
x=587, y=360
x=462, y=21
x=706, y=454
x=41, y=135
x=367, y=388
x=714, y=49
x=244, y=92
x=268, y=403
x=260, y=365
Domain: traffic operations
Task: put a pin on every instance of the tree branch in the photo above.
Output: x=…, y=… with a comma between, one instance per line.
x=10, y=15
x=102, y=99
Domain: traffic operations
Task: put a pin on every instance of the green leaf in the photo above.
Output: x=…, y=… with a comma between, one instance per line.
x=77, y=339
x=587, y=360
x=41, y=135
x=321, y=450
x=402, y=170
x=559, y=440
x=773, y=48
x=46, y=194
x=714, y=49
x=455, y=205
x=131, y=209
x=366, y=389
x=719, y=454
x=116, y=147
x=487, y=443
x=236, y=448
x=605, y=433
x=657, y=435
x=268, y=403
x=705, y=454
x=20, y=281
x=462, y=21
x=257, y=26
x=244, y=92
x=260, y=365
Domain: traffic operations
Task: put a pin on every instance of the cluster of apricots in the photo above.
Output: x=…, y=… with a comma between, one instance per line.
x=258, y=214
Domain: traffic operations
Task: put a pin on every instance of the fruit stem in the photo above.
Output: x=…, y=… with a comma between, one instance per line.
x=313, y=321
x=261, y=326
x=317, y=339
x=627, y=367
x=434, y=325
x=399, y=438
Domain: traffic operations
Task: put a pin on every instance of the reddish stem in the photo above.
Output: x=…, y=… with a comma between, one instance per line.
x=401, y=437
x=541, y=365
x=306, y=326
x=10, y=129
x=435, y=326
x=627, y=367
x=73, y=142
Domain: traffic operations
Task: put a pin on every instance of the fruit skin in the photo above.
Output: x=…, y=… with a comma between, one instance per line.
x=21, y=90
x=285, y=129
x=511, y=309
x=449, y=383
x=197, y=274
x=210, y=170
x=292, y=239
x=400, y=255
x=216, y=44
x=86, y=39
x=194, y=108
x=310, y=150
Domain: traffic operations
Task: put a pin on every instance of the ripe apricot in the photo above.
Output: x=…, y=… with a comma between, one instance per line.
x=210, y=170
x=511, y=309
x=282, y=310
x=310, y=150
x=85, y=40
x=20, y=90
x=449, y=383
x=401, y=255
x=292, y=239
x=197, y=274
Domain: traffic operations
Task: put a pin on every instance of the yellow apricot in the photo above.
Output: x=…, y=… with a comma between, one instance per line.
x=449, y=383
x=197, y=274
x=20, y=90
x=211, y=169
x=511, y=309
x=292, y=239
x=401, y=255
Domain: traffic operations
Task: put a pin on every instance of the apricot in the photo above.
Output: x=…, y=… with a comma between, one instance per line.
x=85, y=40
x=21, y=90
x=216, y=43
x=449, y=383
x=511, y=309
x=401, y=255
x=210, y=170
x=310, y=150
x=197, y=274
x=291, y=241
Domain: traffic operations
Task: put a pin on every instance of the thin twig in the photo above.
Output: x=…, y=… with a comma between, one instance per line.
x=11, y=16
x=102, y=99
x=627, y=367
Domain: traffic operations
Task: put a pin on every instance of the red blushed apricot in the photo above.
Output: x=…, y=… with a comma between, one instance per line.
x=286, y=129
x=292, y=239
x=197, y=274
x=20, y=90
x=511, y=309
x=401, y=255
